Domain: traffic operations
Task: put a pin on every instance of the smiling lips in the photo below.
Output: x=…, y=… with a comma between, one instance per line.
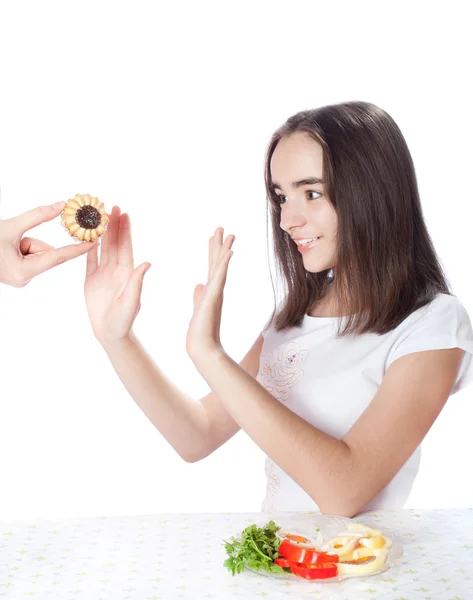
x=304, y=244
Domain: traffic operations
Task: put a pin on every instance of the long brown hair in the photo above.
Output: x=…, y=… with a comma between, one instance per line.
x=386, y=264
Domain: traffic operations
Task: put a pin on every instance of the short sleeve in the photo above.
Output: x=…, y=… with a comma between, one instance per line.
x=442, y=324
x=266, y=327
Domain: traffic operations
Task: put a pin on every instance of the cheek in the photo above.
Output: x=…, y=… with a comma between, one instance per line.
x=330, y=230
x=329, y=221
x=322, y=211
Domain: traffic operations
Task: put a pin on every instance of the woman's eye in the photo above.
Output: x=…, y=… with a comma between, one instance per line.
x=311, y=195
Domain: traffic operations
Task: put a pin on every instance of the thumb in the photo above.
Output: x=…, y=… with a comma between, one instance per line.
x=134, y=287
x=199, y=290
x=36, y=216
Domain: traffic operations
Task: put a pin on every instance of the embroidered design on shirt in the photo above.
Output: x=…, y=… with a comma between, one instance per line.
x=283, y=369
x=272, y=487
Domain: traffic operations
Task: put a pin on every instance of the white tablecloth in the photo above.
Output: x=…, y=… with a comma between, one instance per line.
x=181, y=556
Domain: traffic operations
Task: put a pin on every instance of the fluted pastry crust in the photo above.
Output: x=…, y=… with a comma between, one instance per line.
x=84, y=218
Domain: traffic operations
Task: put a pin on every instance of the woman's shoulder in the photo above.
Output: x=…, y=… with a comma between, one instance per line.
x=443, y=323
x=443, y=308
x=446, y=301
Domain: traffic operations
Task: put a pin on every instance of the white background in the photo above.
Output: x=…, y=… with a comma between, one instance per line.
x=166, y=110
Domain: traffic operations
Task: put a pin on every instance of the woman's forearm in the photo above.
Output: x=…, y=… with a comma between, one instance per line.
x=321, y=464
x=180, y=419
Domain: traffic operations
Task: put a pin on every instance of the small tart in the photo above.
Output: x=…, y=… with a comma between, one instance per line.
x=84, y=218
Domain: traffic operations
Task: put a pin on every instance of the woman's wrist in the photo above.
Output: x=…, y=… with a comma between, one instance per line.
x=208, y=358
x=112, y=346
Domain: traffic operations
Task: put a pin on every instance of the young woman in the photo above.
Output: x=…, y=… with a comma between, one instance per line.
x=359, y=357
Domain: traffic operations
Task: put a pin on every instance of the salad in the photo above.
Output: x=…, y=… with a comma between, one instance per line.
x=360, y=550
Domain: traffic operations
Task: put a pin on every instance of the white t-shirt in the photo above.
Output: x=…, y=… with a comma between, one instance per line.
x=329, y=382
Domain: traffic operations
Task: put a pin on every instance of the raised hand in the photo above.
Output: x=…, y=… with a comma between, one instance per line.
x=112, y=285
x=203, y=335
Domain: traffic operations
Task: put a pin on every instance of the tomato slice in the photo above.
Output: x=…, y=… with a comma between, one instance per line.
x=306, y=556
x=315, y=571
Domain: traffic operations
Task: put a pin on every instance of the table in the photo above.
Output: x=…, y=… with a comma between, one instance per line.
x=171, y=556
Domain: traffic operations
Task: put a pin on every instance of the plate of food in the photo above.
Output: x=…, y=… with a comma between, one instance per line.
x=321, y=548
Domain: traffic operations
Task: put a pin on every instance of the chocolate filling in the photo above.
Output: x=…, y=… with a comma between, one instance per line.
x=88, y=217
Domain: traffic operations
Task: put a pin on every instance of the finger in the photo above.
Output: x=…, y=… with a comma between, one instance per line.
x=92, y=261
x=219, y=278
x=36, y=216
x=31, y=246
x=220, y=247
x=228, y=243
x=104, y=248
x=106, y=254
x=113, y=239
x=198, y=291
x=125, y=246
x=216, y=247
x=132, y=293
x=211, y=241
x=54, y=257
x=223, y=269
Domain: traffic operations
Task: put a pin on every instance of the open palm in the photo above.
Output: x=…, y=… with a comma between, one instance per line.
x=113, y=286
x=203, y=334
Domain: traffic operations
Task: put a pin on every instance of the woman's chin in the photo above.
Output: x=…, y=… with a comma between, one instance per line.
x=318, y=268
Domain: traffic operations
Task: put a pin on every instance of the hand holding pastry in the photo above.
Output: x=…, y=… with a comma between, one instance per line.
x=22, y=258
x=112, y=285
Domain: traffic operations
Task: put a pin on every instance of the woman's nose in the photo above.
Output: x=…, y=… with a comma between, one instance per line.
x=291, y=218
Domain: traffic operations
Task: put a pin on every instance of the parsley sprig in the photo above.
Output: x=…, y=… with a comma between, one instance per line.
x=257, y=547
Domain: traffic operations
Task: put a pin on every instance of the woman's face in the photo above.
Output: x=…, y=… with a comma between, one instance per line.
x=306, y=213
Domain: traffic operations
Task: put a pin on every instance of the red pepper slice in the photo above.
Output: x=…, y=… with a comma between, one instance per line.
x=306, y=556
x=315, y=571
x=283, y=562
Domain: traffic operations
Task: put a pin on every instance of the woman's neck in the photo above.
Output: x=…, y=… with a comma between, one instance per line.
x=327, y=306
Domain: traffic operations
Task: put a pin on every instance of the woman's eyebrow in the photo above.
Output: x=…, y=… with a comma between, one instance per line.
x=300, y=183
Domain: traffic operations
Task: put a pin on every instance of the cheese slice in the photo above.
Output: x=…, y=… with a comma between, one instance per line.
x=364, y=568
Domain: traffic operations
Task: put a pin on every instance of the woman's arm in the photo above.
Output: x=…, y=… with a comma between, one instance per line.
x=113, y=296
x=342, y=476
x=194, y=428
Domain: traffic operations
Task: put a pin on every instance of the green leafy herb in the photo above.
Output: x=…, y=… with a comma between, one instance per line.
x=256, y=547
